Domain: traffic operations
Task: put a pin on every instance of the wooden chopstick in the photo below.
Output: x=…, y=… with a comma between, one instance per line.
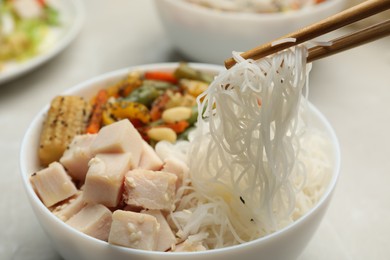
x=339, y=20
x=349, y=41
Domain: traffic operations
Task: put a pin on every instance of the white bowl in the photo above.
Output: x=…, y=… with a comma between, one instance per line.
x=206, y=35
x=286, y=243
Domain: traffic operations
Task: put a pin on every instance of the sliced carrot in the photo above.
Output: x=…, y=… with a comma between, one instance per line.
x=161, y=75
x=95, y=122
x=41, y=2
x=158, y=106
x=178, y=127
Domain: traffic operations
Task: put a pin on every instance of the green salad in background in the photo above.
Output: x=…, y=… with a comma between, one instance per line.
x=24, y=24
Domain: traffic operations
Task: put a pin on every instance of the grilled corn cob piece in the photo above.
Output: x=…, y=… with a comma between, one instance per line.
x=67, y=117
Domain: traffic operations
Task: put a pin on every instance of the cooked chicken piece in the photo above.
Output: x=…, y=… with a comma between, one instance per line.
x=75, y=159
x=149, y=159
x=93, y=220
x=150, y=189
x=166, y=238
x=104, y=179
x=119, y=137
x=177, y=167
x=70, y=207
x=53, y=184
x=188, y=246
x=134, y=230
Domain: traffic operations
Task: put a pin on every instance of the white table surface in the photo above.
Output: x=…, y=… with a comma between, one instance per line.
x=352, y=89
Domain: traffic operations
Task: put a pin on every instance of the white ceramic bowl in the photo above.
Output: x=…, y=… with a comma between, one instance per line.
x=286, y=243
x=206, y=35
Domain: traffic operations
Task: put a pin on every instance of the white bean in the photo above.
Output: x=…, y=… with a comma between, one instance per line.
x=176, y=114
x=162, y=133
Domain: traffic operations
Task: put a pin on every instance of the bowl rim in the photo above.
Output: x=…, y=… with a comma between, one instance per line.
x=241, y=16
x=34, y=199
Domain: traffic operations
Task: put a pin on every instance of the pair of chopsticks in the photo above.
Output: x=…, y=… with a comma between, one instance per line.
x=346, y=17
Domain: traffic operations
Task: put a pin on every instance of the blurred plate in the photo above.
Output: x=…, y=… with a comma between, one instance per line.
x=71, y=17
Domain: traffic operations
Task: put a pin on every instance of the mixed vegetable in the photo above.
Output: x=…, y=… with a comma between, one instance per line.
x=24, y=24
x=160, y=104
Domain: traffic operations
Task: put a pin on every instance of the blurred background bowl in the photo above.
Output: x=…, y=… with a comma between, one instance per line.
x=286, y=243
x=207, y=35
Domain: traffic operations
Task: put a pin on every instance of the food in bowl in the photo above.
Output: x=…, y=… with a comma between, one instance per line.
x=208, y=35
x=87, y=149
x=24, y=27
x=194, y=218
x=256, y=6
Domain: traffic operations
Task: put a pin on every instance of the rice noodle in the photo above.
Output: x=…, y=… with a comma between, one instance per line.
x=251, y=155
x=284, y=40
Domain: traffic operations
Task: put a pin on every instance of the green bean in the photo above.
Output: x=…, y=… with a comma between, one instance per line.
x=186, y=72
x=158, y=84
x=157, y=122
x=144, y=95
x=194, y=115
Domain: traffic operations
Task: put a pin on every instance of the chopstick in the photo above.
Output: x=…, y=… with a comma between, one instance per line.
x=352, y=40
x=327, y=25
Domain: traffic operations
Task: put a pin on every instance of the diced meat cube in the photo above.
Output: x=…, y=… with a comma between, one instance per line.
x=177, y=167
x=150, y=189
x=119, y=137
x=70, y=207
x=188, y=246
x=94, y=220
x=75, y=159
x=134, y=230
x=53, y=184
x=166, y=238
x=149, y=159
x=104, y=180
